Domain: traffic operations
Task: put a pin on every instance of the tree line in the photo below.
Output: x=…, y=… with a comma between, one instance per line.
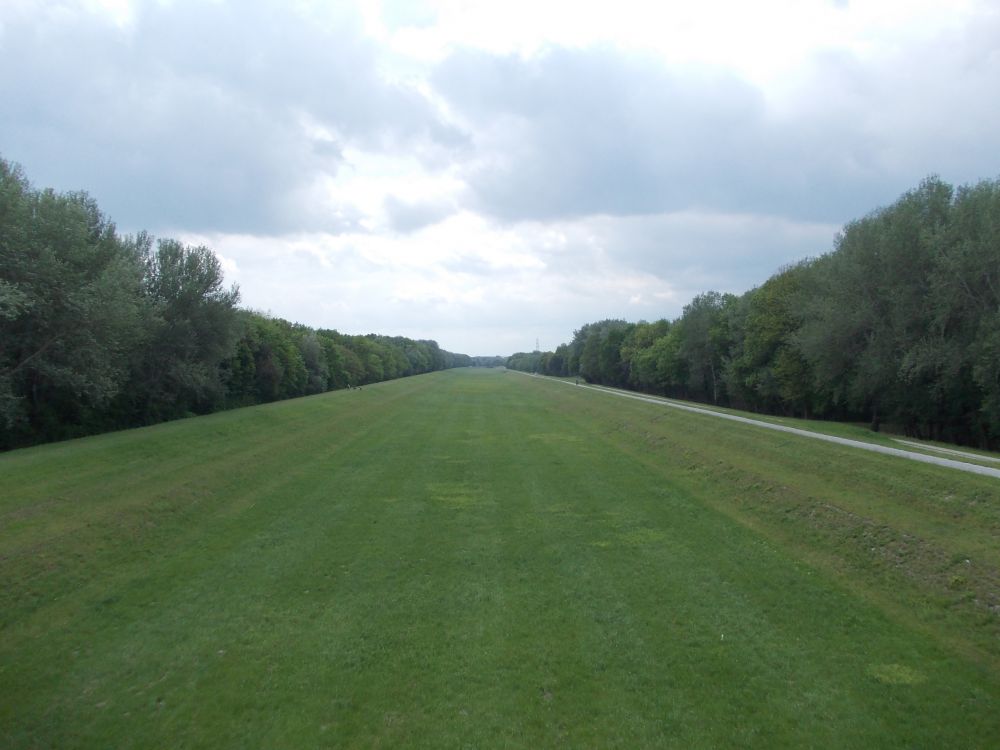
x=897, y=326
x=100, y=331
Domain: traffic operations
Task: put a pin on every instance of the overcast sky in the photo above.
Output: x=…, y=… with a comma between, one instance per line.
x=491, y=173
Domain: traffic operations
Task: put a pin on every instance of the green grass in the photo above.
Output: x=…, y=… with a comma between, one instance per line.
x=850, y=430
x=480, y=559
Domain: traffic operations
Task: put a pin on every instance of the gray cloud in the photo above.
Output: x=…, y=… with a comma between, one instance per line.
x=695, y=252
x=397, y=14
x=581, y=132
x=635, y=184
x=194, y=116
x=408, y=217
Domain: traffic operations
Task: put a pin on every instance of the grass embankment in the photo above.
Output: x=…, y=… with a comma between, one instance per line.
x=477, y=559
x=849, y=430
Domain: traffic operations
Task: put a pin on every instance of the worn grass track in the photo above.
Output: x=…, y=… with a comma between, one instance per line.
x=478, y=559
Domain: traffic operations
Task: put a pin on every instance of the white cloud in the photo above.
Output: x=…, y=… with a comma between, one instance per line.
x=487, y=173
x=457, y=279
x=762, y=41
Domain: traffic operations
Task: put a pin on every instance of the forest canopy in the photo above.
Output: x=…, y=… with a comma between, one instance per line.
x=100, y=331
x=899, y=324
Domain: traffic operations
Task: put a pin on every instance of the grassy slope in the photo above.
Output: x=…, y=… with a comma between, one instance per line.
x=849, y=430
x=476, y=558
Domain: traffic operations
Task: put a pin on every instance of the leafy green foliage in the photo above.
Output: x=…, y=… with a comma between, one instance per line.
x=70, y=309
x=898, y=324
x=766, y=369
x=190, y=327
x=100, y=331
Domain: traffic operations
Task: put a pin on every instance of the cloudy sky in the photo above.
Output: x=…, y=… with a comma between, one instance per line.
x=489, y=174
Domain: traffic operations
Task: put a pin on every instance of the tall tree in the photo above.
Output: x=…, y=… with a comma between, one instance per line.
x=872, y=307
x=600, y=358
x=767, y=369
x=69, y=310
x=966, y=311
x=192, y=327
x=705, y=341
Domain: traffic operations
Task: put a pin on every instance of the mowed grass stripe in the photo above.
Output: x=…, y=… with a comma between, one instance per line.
x=920, y=540
x=463, y=559
x=62, y=520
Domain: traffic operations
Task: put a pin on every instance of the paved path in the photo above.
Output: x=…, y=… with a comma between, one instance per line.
x=913, y=456
x=949, y=451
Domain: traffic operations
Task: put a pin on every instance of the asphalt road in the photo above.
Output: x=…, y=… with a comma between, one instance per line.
x=911, y=455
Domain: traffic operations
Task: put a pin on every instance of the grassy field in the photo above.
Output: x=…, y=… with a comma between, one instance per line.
x=849, y=430
x=482, y=559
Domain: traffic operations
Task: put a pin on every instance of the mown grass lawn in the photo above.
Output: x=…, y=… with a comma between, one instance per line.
x=482, y=559
x=849, y=430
